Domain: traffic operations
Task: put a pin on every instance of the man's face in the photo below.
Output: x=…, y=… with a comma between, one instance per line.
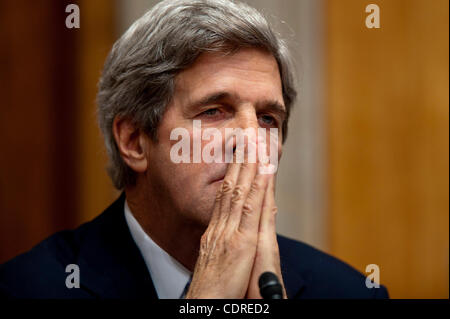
x=242, y=90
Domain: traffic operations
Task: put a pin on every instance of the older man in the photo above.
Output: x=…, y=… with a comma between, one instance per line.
x=193, y=229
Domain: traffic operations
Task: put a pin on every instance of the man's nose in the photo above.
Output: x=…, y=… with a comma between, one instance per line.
x=246, y=118
x=245, y=121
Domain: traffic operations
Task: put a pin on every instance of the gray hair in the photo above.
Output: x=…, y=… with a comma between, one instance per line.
x=138, y=78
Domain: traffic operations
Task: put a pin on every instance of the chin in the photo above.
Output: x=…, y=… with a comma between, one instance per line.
x=199, y=205
x=204, y=215
x=197, y=213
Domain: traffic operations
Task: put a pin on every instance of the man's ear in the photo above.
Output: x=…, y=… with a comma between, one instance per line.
x=131, y=142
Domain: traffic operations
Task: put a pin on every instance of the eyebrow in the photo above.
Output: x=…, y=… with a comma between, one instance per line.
x=213, y=98
x=217, y=97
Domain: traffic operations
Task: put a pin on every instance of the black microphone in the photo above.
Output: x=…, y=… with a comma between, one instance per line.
x=269, y=286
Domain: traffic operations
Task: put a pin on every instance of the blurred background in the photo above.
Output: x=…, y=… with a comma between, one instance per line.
x=365, y=170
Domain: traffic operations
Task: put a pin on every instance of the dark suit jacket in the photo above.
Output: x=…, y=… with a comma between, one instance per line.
x=111, y=266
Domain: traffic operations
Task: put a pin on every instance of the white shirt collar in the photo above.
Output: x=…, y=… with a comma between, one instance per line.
x=168, y=275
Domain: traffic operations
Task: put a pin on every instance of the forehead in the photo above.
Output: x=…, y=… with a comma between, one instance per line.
x=251, y=74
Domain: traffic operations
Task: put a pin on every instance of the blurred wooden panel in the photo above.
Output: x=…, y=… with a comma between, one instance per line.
x=388, y=132
x=97, y=35
x=37, y=186
x=52, y=163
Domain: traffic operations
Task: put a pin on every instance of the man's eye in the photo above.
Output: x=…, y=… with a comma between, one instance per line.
x=211, y=112
x=268, y=120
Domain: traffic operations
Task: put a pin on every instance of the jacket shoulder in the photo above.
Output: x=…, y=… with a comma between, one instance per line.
x=325, y=276
x=41, y=271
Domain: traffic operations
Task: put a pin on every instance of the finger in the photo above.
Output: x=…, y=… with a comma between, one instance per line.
x=267, y=225
x=223, y=198
x=251, y=210
x=267, y=236
x=240, y=192
x=228, y=185
x=216, y=210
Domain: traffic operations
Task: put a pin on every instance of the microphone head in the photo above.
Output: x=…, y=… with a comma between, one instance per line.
x=269, y=286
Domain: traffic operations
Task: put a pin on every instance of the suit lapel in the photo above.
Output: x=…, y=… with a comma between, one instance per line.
x=111, y=265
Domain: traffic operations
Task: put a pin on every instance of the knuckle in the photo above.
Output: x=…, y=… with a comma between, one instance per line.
x=218, y=196
x=274, y=210
x=221, y=244
x=205, y=237
x=227, y=186
x=247, y=208
x=238, y=193
x=204, y=241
